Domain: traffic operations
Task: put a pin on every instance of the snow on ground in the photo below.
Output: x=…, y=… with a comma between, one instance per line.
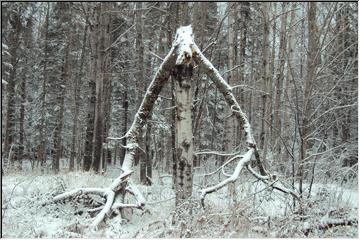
x=257, y=211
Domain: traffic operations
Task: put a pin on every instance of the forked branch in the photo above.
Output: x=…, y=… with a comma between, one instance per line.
x=179, y=53
x=244, y=124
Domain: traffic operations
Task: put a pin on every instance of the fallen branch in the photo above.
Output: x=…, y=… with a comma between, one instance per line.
x=179, y=53
x=223, y=166
x=246, y=158
x=216, y=153
x=329, y=223
x=79, y=192
x=271, y=180
x=244, y=124
x=110, y=195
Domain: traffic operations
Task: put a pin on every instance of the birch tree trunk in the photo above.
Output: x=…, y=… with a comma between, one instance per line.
x=178, y=63
x=184, y=137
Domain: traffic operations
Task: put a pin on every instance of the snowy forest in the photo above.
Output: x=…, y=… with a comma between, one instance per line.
x=179, y=119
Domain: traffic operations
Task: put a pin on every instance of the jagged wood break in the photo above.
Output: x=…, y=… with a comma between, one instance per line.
x=184, y=52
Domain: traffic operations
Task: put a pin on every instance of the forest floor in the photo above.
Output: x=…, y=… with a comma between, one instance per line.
x=257, y=211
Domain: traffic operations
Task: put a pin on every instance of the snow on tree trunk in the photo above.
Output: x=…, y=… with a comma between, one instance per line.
x=178, y=62
x=122, y=184
x=184, y=136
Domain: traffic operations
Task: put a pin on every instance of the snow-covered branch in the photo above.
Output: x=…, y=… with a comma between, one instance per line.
x=246, y=158
x=226, y=90
x=328, y=223
x=110, y=195
x=180, y=53
x=78, y=192
x=244, y=124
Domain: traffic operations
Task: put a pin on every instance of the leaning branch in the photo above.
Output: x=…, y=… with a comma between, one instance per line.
x=226, y=90
x=147, y=104
x=246, y=158
x=180, y=53
x=223, y=166
x=244, y=124
x=271, y=180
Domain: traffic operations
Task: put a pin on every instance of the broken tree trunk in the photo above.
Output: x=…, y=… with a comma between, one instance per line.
x=179, y=54
x=183, y=53
x=183, y=132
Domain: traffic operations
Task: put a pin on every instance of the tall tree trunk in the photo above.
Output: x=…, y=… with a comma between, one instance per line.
x=173, y=15
x=101, y=79
x=245, y=13
x=76, y=93
x=280, y=79
x=107, y=86
x=125, y=105
x=285, y=127
x=184, y=137
x=266, y=79
x=230, y=124
x=28, y=45
x=311, y=65
x=10, y=108
x=88, y=151
x=272, y=72
x=140, y=79
x=60, y=112
x=145, y=164
x=43, y=122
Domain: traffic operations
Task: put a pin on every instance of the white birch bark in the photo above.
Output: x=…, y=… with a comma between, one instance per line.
x=183, y=52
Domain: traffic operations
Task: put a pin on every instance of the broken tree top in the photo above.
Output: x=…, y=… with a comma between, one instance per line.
x=183, y=51
x=184, y=41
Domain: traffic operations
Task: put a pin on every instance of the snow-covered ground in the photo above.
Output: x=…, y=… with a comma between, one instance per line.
x=257, y=211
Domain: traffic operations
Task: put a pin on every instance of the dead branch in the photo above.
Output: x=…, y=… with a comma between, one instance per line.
x=271, y=180
x=79, y=192
x=246, y=158
x=329, y=223
x=223, y=166
x=179, y=54
x=244, y=124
